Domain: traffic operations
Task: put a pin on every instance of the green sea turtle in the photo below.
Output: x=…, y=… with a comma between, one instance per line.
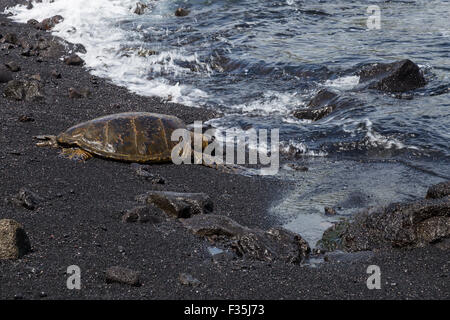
x=141, y=137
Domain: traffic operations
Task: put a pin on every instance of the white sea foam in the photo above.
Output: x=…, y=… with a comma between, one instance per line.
x=234, y=135
x=343, y=83
x=374, y=138
x=96, y=25
x=300, y=148
x=270, y=103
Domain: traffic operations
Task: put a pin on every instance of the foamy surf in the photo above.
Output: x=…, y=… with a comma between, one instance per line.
x=210, y=58
x=97, y=26
x=271, y=103
x=374, y=138
x=343, y=83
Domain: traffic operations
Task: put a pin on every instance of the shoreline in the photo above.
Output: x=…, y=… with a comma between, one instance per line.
x=78, y=220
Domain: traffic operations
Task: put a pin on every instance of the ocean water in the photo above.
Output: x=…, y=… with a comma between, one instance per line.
x=258, y=61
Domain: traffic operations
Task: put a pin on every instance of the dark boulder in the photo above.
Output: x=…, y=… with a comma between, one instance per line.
x=27, y=48
x=276, y=244
x=10, y=38
x=178, y=205
x=144, y=214
x=50, y=48
x=413, y=224
x=42, y=44
x=48, y=23
x=439, y=190
x=43, y=47
x=32, y=22
x=14, y=242
x=28, y=90
x=73, y=60
x=56, y=74
x=323, y=103
x=398, y=76
x=214, y=225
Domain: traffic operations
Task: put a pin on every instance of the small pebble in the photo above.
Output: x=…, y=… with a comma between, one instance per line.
x=188, y=280
x=123, y=275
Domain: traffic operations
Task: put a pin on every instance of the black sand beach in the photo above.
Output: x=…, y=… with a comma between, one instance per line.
x=78, y=222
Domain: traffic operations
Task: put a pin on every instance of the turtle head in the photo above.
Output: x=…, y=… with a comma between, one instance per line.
x=69, y=137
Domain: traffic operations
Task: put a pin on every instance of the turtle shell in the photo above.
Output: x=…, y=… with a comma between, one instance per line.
x=130, y=136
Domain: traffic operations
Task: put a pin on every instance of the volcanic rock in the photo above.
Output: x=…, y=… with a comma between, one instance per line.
x=399, y=76
x=14, y=242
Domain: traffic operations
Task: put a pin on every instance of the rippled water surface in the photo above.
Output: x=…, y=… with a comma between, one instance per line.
x=258, y=61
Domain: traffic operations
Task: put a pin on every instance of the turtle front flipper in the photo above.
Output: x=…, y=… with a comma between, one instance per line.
x=75, y=154
x=46, y=141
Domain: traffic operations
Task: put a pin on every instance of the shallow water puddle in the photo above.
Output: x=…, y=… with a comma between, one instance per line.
x=348, y=187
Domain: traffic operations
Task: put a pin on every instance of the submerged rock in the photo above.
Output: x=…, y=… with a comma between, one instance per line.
x=123, y=275
x=14, y=242
x=140, y=8
x=181, y=12
x=48, y=23
x=275, y=244
x=28, y=90
x=32, y=22
x=323, y=103
x=330, y=211
x=178, y=205
x=398, y=76
x=297, y=167
x=413, y=224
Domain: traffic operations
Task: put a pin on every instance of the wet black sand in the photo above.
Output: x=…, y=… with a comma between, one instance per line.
x=79, y=223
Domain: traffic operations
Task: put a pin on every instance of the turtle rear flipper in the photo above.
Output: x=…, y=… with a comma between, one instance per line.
x=75, y=154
